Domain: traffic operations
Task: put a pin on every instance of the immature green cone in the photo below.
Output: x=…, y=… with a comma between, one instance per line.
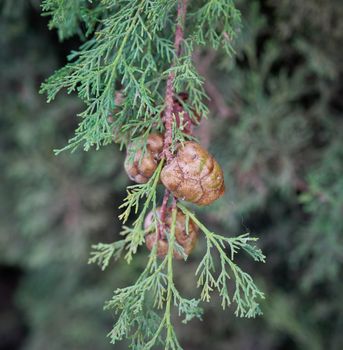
x=194, y=175
x=142, y=168
x=185, y=237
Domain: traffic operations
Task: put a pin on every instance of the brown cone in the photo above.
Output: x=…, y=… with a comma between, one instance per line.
x=186, y=241
x=142, y=168
x=194, y=175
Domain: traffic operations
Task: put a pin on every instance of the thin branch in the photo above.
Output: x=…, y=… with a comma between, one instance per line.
x=163, y=212
x=168, y=112
x=169, y=102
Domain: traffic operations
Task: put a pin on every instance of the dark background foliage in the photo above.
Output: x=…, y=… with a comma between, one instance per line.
x=277, y=129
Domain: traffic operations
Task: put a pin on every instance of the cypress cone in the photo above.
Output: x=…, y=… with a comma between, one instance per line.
x=185, y=237
x=143, y=166
x=194, y=175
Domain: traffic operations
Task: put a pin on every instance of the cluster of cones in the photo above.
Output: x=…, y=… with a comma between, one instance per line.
x=192, y=174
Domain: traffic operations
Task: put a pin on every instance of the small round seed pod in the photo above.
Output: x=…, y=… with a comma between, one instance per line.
x=194, y=175
x=143, y=167
x=185, y=237
x=162, y=244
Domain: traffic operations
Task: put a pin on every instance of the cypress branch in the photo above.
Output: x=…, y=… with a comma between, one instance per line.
x=143, y=48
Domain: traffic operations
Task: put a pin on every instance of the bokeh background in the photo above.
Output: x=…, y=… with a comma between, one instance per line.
x=276, y=128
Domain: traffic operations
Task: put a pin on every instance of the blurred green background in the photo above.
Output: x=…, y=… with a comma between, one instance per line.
x=276, y=128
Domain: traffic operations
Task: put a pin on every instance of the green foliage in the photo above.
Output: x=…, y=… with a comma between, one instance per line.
x=323, y=201
x=67, y=16
x=156, y=280
x=132, y=46
x=246, y=293
x=134, y=237
x=155, y=288
x=216, y=23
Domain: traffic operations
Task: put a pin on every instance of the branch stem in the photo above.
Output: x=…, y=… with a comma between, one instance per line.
x=168, y=115
x=162, y=224
x=168, y=112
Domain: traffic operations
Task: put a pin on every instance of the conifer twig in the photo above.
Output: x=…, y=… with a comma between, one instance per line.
x=131, y=45
x=163, y=212
x=169, y=102
x=168, y=115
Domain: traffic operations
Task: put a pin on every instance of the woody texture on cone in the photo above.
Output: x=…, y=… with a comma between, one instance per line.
x=194, y=175
x=185, y=237
x=140, y=167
